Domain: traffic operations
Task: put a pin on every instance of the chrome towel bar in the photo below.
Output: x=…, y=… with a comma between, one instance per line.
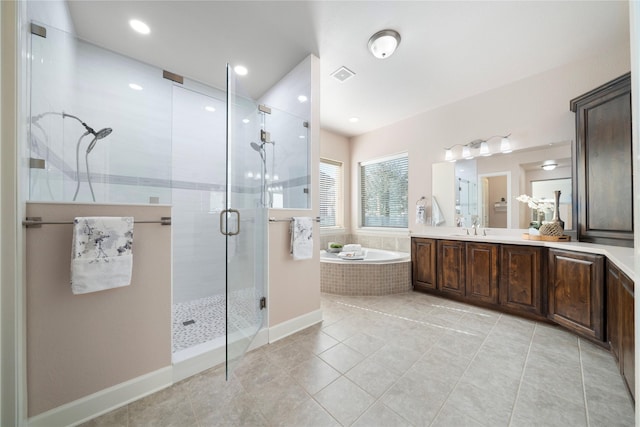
x=37, y=222
x=274, y=219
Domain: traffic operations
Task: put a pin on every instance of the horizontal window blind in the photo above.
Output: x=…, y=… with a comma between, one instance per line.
x=384, y=192
x=330, y=192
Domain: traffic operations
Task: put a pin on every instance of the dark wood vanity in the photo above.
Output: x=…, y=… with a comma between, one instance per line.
x=583, y=292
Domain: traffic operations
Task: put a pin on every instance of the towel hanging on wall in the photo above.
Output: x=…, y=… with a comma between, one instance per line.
x=301, y=237
x=101, y=253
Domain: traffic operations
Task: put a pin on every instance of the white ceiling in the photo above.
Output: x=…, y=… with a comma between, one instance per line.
x=450, y=49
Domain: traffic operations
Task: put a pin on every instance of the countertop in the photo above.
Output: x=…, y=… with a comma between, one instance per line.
x=622, y=257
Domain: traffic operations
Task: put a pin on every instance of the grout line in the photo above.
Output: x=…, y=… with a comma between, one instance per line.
x=584, y=387
x=408, y=319
x=524, y=368
x=464, y=372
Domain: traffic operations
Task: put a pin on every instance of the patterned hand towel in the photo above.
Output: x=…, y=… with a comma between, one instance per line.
x=101, y=253
x=302, y=238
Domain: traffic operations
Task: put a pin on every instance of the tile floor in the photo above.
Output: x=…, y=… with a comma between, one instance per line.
x=402, y=360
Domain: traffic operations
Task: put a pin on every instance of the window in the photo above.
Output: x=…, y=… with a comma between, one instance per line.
x=330, y=193
x=383, y=192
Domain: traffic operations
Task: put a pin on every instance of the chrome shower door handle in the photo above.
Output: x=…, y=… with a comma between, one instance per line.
x=223, y=218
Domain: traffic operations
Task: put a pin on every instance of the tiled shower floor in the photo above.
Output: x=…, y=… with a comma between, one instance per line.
x=209, y=316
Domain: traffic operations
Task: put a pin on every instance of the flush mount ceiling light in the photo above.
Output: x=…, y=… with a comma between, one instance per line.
x=478, y=144
x=383, y=43
x=139, y=26
x=549, y=165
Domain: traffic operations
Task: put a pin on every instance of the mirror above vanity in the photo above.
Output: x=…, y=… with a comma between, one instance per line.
x=482, y=191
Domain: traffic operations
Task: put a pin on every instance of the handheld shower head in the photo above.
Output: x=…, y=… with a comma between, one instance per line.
x=102, y=133
x=257, y=147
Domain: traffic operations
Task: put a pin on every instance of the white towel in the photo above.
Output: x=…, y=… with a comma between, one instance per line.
x=302, y=237
x=101, y=253
x=352, y=247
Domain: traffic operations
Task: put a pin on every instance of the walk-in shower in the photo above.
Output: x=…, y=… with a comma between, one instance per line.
x=170, y=146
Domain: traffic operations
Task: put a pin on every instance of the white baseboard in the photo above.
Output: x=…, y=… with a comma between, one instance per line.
x=106, y=400
x=292, y=326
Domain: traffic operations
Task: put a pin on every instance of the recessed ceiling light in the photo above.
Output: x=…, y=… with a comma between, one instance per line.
x=135, y=86
x=354, y=120
x=245, y=121
x=240, y=70
x=210, y=109
x=302, y=137
x=139, y=26
x=302, y=98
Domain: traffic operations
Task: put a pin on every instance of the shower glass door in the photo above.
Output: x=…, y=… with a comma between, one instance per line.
x=244, y=224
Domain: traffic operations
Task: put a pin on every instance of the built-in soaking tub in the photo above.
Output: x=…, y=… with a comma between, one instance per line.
x=379, y=273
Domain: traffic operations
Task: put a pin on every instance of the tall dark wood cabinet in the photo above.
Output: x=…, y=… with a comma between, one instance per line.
x=521, y=278
x=576, y=287
x=603, y=164
x=423, y=263
x=451, y=267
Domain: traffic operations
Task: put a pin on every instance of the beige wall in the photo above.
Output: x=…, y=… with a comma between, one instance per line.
x=534, y=110
x=80, y=344
x=294, y=286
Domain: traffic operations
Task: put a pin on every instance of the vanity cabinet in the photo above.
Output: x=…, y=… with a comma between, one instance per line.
x=423, y=263
x=576, y=285
x=603, y=164
x=521, y=284
x=451, y=267
x=620, y=325
x=481, y=281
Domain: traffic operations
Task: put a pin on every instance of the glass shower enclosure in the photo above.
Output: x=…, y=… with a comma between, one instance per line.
x=171, y=143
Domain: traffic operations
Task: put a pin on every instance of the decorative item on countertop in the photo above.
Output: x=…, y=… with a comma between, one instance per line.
x=539, y=206
x=555, y=227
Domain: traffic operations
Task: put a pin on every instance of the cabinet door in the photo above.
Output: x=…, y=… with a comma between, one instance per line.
x=613, y=309
x=451, y=266
x=482, y=272
x=423, y=259
x=627, y=332
x=521, y=278
x=576, y=285
x=604, y=172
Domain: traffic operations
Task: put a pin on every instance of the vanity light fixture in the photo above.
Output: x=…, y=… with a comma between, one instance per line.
x=383, y=43
x=478, y=144
x=549, y=165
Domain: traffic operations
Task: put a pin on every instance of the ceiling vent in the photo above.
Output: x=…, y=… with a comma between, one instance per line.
x=342, y=74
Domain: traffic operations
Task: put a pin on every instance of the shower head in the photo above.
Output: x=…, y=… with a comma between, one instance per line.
x=102, y=133
x=257, y=147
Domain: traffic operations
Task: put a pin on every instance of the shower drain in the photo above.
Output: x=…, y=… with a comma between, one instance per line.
x=188, y=322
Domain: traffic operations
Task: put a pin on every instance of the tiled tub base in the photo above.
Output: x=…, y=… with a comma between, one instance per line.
x=365, y=279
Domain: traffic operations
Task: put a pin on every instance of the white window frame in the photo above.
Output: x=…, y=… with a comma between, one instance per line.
x=339, y=215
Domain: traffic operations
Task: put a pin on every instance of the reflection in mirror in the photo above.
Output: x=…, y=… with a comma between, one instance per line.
x=472, y=191
x=544, y=190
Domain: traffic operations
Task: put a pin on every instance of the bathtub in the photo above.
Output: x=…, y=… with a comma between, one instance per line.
x=379, y=273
